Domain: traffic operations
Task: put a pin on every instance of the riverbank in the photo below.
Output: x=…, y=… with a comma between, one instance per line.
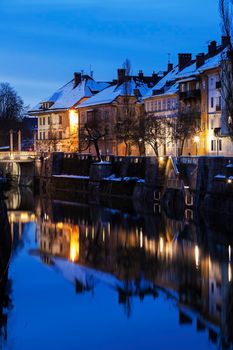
x=178, y=183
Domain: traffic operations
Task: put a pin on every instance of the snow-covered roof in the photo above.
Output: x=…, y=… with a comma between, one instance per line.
x=210, y=63
x=169, y=77
x=109, y=94
x=171, y=91
x=69, y=95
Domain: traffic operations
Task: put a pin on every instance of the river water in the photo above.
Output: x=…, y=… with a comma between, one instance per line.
x=86, y=275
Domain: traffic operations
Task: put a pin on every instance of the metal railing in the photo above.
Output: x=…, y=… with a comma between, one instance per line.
x=18, y=155
x=188, y=160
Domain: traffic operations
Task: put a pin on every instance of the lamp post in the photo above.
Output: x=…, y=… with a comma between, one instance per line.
x=19, y=141
x=11, y=140
x=140, y=146
x=196, y=140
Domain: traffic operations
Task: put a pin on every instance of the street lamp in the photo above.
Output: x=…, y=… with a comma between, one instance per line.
x=140, y=146
x=196, y=140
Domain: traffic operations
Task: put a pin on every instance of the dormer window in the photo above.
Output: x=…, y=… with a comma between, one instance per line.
x=46, y=105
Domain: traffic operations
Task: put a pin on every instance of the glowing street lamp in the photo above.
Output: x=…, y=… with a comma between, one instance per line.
x=196, y=140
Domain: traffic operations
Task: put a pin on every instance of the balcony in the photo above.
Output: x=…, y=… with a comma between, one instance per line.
x=192, y=94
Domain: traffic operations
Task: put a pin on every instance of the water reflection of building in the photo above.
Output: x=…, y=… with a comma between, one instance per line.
x=20, y=209
x=178, y=256
x=59, y=239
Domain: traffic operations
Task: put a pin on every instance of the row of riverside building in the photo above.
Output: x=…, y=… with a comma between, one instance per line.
x=193, y=84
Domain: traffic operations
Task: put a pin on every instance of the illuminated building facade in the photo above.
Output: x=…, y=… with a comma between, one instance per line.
x=58, y=120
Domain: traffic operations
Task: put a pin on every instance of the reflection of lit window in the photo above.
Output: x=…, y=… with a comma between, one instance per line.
x=229, y=272
x=197, y=256
x=161, y=245
x=141, y=239
x=74, y=244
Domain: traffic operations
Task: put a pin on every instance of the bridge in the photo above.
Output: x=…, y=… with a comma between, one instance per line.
x=20, y=165
x=16, y=156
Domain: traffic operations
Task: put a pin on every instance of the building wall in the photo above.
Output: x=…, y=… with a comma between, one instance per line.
x=106, y=116
x=58, y=131
x=163, y=106
x=217, y=142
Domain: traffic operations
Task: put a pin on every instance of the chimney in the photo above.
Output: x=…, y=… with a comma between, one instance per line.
x=121, y=74
x=212, y=48
x=184, y=59
x=77, y=78
x=155, y=77
x=200, y=60
x=137, y=93
x=225, y=40
x=169, y=67
x=140, y=75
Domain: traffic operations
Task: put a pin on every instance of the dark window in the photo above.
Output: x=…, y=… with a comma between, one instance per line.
x=220, y=145
x=212, y=102
x=60, y=119
x=213, y=145
x=60, y=134
x=90, y=117
x=48, y=120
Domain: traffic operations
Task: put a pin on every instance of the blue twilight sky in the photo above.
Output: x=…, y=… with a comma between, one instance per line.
x=44, y=41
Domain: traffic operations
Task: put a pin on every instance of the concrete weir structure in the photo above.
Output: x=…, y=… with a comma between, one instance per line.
x=130, y=177
x=176, y=183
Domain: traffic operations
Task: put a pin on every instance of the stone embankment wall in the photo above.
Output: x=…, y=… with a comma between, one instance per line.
x=134, y=177
x=145, y=179
x=209, y=193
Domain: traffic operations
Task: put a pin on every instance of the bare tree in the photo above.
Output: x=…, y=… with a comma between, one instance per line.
x=156, y=132
x=125, y=127
x=91, y=133
x=126, y=121
x=226, y=66
x=11, y=111
x=138, y=133
x=184, y=126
